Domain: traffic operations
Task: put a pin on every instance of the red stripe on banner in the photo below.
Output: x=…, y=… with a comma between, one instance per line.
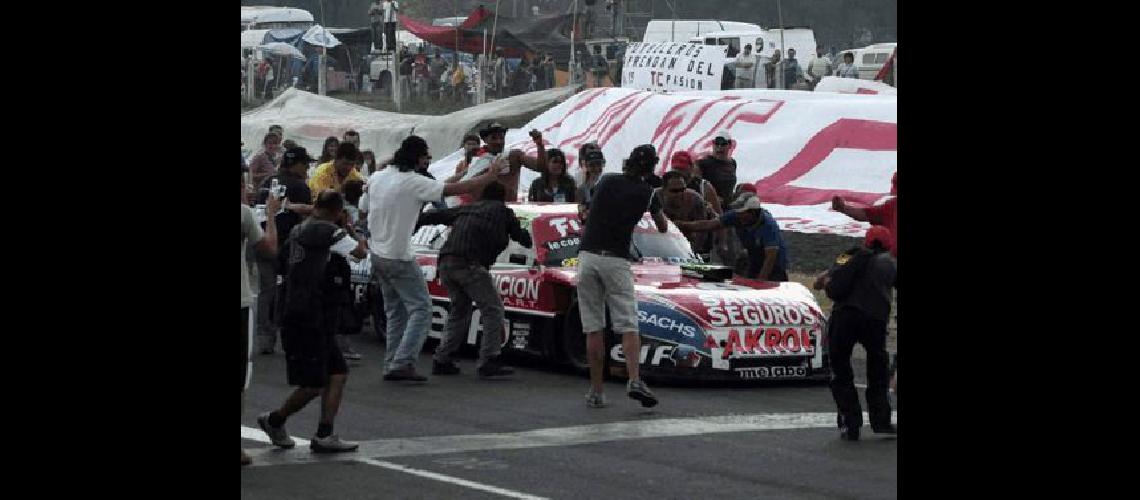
x=845, y=133
x=862, y=90
x=578, y=107
x=704, y=145
x=609, y=133
x=693, y=120
x=607, y=116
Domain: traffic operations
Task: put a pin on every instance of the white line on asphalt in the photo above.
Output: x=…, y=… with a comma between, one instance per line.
x=449, y=479
x=260, y=436
x=563, y=436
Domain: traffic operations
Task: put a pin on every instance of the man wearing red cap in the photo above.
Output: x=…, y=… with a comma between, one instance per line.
x=884, y=214
x=683, y=162
x=859, y=284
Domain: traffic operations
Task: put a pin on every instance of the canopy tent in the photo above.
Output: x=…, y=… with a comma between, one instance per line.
x=516, y=36
x=309, y=118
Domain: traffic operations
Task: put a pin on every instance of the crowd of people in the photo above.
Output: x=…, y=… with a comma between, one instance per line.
x=321, y=214
x=750, y=70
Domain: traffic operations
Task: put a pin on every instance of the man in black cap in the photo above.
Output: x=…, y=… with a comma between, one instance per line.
x=294, y=208
x=495, y=138
x=604, y=274
x=313, y=295
x=719, y=168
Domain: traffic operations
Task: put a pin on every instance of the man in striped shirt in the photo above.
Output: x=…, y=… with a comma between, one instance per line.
x=479, y=233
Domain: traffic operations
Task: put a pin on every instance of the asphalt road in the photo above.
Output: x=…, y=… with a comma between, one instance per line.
x=532, y=436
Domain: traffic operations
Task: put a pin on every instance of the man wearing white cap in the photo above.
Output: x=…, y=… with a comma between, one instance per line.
x=758, y=233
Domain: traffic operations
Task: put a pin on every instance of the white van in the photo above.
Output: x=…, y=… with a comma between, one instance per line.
x=870, y=59
x=669, y=30
x=764, y=42
x=271, y=18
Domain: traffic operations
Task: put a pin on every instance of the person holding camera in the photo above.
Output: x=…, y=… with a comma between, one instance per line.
x=479, y=233
x=396, y=196
x=295, y=195
x=604, y=273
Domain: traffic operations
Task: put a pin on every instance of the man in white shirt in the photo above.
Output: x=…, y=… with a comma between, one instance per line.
x=746, y=68
x=818, y=68
x=396, y=196
x=390, y=8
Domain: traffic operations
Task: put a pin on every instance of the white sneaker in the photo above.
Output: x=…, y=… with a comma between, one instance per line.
x=331, y=444
x=595, y=400
x=278, y=435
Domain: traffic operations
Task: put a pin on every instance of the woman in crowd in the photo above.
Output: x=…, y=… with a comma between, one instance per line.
x=554, y=184
x=266, y=161
x=328, y=151
x=369, y=162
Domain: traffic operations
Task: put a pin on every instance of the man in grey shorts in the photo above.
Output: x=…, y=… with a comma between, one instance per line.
x=604, y=275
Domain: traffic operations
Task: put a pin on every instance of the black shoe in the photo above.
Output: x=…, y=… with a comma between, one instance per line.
x=494, y=369
x=887, y=429
x=849, y=433
x=405, y=374
x=438, y=368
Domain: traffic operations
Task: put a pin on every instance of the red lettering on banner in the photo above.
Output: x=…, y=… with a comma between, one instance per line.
x=844, y=133
x=733, y=343
x=790, y=338
x=772, y=339
x=752, y=340
x=805, y=338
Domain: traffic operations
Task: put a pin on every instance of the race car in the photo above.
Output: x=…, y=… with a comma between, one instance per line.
x=695, y=320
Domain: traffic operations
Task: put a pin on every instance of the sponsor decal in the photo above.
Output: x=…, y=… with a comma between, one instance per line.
x=565, y=242
x=674, y=356
x=440, y=314
x=763, y=342
x=520, y=334
x=742, y=311
x=760, y=372
x=566, y=226
x=518, y=291
x=660, y=321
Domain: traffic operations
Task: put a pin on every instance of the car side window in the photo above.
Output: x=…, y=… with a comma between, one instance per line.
x=516, y=254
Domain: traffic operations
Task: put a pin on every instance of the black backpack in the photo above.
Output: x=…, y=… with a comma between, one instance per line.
x=317, y=283
x=849, y=268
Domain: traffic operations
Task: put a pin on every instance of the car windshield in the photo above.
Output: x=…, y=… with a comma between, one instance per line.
x=669, y=247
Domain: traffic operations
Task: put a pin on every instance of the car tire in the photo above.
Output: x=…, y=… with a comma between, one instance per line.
x=572, y=342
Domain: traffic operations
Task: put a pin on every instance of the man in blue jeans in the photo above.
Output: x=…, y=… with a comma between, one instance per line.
x=396, y=195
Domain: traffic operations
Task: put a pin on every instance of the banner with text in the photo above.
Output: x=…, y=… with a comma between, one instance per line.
x=669, y=66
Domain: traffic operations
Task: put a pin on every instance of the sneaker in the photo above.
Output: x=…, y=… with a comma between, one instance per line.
x=331, y=444
x=639, y=391
x=408, y=373
x=278, y=435
x=494, y=369
x=438, y=368
x=595, y=400
x=888, y=429
x=849, y=433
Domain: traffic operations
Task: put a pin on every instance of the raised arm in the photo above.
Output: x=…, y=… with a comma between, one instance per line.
x=853, y=212
x=476, y=183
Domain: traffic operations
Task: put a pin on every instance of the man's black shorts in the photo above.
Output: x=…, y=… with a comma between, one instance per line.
x=310, y=357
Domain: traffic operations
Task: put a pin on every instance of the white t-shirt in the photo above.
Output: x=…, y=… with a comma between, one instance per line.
x=395, y=200
x=390, y=9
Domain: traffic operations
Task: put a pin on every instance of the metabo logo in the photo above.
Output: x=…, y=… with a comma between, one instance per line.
x=662, y=322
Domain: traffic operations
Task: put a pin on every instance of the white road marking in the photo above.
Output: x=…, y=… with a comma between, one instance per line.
x=559, y=436
x=260, y=436
x=449, y=479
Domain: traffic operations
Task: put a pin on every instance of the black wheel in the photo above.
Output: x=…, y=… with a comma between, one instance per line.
x=573, y=342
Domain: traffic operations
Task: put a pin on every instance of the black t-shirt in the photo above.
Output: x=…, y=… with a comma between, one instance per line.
x=617, y=206
x=721, y=174
x=296, y=191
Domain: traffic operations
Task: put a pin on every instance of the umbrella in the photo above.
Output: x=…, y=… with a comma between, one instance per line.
x=319, y=36
x=282, y=49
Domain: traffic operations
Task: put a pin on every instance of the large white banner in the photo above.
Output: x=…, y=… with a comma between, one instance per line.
x=798, y=148
x=669, y=66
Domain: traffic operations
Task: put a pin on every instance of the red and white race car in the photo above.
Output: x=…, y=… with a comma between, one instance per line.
x=695, y=322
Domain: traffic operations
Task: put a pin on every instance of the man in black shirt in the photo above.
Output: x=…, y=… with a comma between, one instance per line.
x=295, y=207
x=313, y=295
x=720, y=169
x=479, y=233
x=604, y=275
x=860, y=285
